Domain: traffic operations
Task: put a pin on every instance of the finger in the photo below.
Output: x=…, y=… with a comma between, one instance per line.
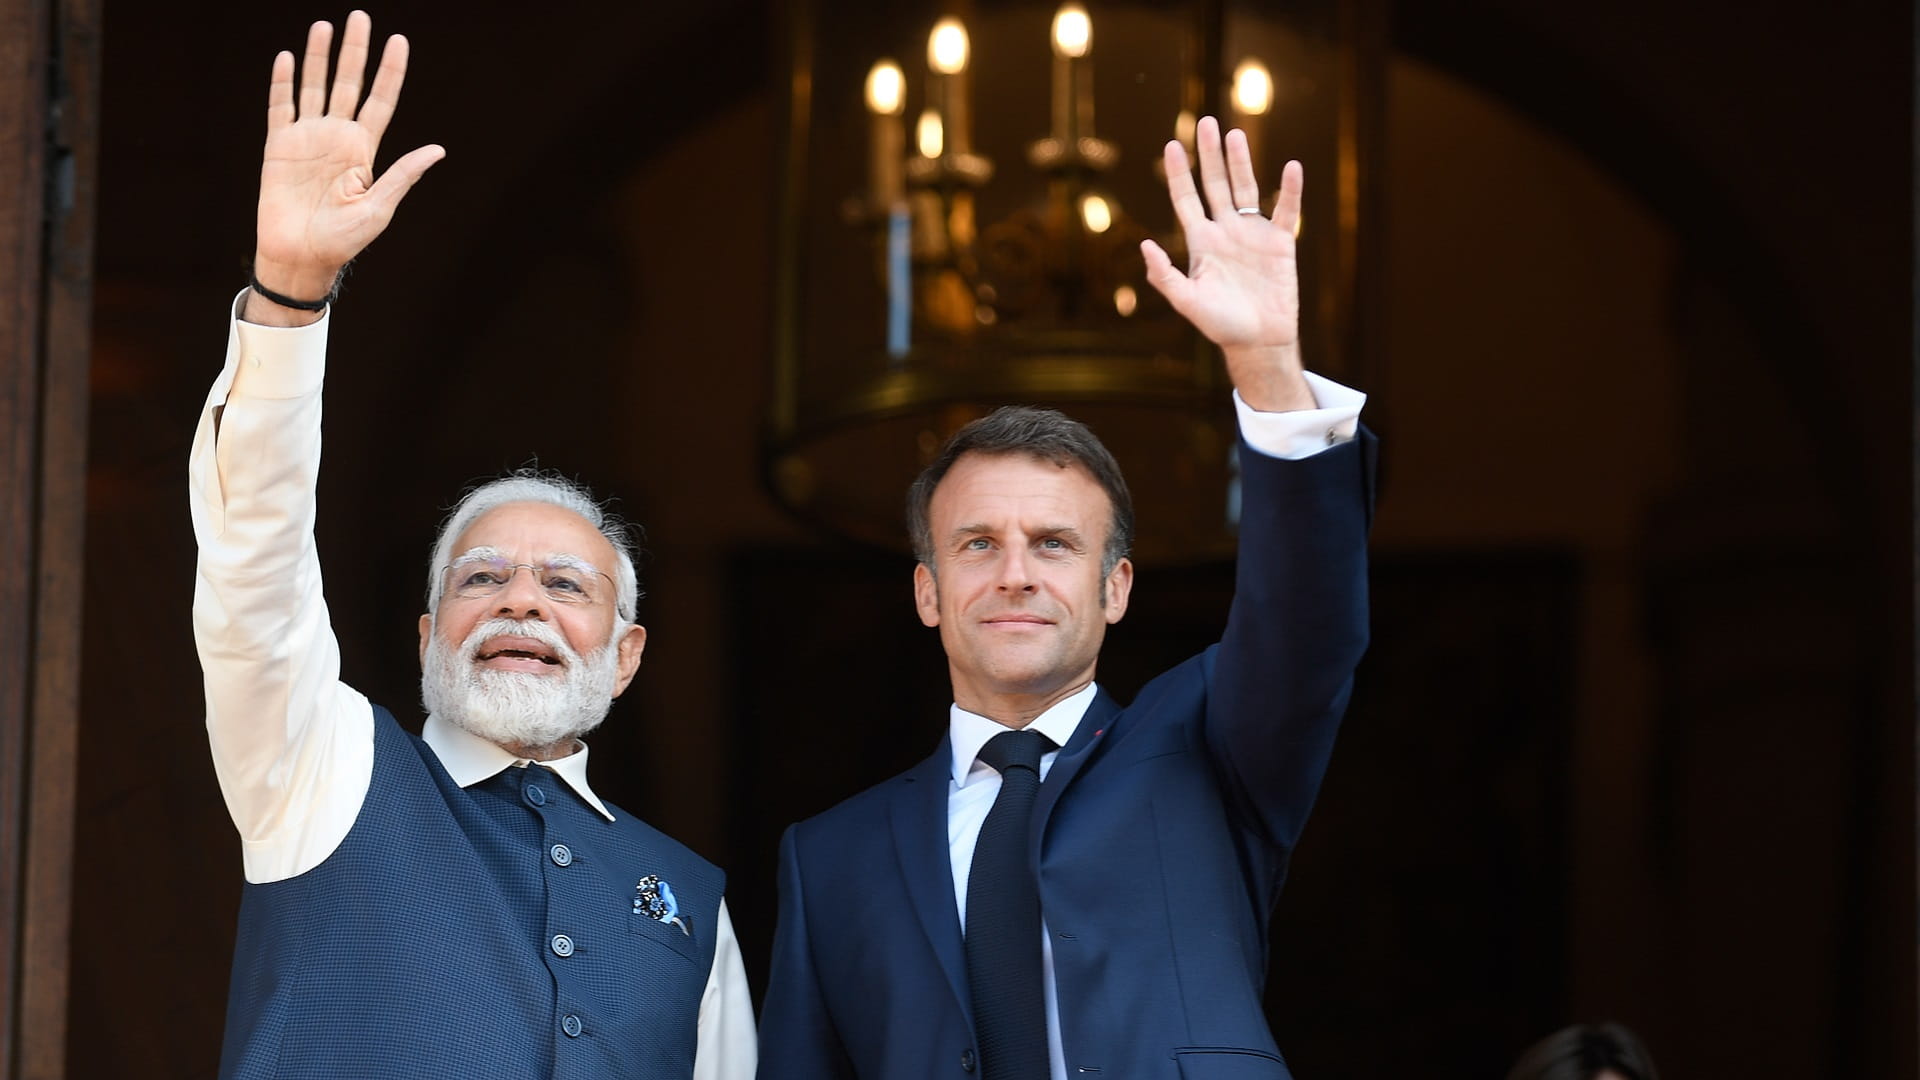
x=1213, y=168
x=385, y=96
x=1164, y=276
x=1186, y=201
x=350, y=70
x=400, y=177
x=280, y=92
x=1246, y=190
x=313, y=69
x=1286, y=208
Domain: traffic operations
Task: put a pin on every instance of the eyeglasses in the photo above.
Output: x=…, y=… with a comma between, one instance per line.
x=564, y=581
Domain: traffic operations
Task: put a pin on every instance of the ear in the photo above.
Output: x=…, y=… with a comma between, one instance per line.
x=1119, y=586
x=426, y=635
x=632, y=644
x=926, y=595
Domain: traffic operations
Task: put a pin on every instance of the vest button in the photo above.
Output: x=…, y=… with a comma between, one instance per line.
x=561, y=853
x=966, y=1060
x=562, y=945
x=535, y=795
x=571, y=1025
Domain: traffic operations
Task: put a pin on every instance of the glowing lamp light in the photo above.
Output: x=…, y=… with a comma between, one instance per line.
x=1096, y=213
x=947, y=47
x=929, y=135
x=1252, y=88
x=1072, y=31
x=886, y=89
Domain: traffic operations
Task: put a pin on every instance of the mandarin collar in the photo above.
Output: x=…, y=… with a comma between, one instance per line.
x=469, y=759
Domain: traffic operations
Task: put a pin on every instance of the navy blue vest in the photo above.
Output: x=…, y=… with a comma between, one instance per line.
x=490, y=931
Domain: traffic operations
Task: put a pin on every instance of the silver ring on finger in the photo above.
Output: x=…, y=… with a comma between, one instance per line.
x=1251, y=210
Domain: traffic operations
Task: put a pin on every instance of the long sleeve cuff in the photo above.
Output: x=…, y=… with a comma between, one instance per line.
x=278, y=361
x=1302, y=433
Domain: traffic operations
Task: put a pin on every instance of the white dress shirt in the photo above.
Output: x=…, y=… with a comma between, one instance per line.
x=974, y=784
x=292, y=744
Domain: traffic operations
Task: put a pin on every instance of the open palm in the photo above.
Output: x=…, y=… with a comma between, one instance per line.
x=320, y=201
x=1241, y=287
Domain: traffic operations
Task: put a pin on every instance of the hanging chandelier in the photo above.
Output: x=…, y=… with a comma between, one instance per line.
x=964, y=194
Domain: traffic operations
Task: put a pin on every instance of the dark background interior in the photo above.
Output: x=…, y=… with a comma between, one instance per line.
x=1635, y=739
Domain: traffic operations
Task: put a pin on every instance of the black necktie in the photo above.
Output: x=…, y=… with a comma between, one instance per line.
x=1003, y=919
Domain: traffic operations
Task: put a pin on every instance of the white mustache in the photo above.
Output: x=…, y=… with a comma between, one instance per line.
x=539, y=631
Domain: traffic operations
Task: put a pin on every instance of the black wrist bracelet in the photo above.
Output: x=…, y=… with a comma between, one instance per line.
x=289, y=302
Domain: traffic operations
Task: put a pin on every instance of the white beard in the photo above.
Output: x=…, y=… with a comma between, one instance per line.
x=518, y=708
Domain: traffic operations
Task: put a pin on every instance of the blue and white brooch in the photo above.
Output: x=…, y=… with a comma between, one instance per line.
x=654, y=899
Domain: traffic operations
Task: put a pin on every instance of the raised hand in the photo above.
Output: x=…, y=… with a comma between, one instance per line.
x=320, y=203
x=1242, y=284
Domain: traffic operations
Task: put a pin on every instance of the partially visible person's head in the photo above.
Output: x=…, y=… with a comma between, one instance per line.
x=1586, y=1052
x=1022, y=528
x=529, y=633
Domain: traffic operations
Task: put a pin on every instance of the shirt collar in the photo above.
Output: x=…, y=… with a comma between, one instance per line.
x=968, y=731
x=469, y=759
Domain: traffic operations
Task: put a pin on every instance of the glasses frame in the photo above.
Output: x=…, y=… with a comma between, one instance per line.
x=512, y=569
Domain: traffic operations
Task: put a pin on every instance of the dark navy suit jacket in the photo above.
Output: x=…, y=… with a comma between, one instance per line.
x=1161, y=839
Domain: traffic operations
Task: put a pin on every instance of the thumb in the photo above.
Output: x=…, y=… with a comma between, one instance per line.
x=400, y=177
x=1166, y=277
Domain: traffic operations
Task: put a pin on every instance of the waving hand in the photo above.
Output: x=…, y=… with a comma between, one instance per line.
x=320, y=200
x=1242, y=284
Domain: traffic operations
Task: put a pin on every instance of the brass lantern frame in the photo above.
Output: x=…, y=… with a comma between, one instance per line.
x=842, y=446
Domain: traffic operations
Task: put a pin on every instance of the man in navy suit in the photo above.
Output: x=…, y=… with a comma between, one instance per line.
x=1147, y=856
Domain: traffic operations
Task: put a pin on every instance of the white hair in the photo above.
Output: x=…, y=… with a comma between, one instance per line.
x=531, y=485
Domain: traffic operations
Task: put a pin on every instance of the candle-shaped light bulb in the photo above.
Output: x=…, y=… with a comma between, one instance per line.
x=947, y=47
x=1072, y=31
x=1096, y=213
x=1252, y=98
x=1252, y=88
x=947, y=50
x=1072, y=74
x=929, y=136
x=886, y=89
x=886, y=100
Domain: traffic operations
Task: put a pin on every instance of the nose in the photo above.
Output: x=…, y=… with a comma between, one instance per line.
x=1016, y=570
x=521, y=597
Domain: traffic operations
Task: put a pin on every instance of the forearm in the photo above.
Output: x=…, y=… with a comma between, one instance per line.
x=291, y=746
x=1271, y=379
x=1297, y=629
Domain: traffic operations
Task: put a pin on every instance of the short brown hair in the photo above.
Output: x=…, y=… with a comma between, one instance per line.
x=1045, y=434
x=1585, y=1051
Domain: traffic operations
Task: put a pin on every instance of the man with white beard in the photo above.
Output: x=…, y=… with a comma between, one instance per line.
x=458, y=903
x=554, y=695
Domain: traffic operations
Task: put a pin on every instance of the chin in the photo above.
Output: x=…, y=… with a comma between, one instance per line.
x=1026, y=678
x=519, y=708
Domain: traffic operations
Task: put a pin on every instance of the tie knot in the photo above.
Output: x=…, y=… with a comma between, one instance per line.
x=1016, y=748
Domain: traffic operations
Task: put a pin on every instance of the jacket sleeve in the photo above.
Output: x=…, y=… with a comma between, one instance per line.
x=292, y=745
x=798, y=1040
x=1284, y=669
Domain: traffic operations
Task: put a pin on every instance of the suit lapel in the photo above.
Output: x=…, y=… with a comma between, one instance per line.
x=1091, y=733
x=919, y=817
x=919, y=814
